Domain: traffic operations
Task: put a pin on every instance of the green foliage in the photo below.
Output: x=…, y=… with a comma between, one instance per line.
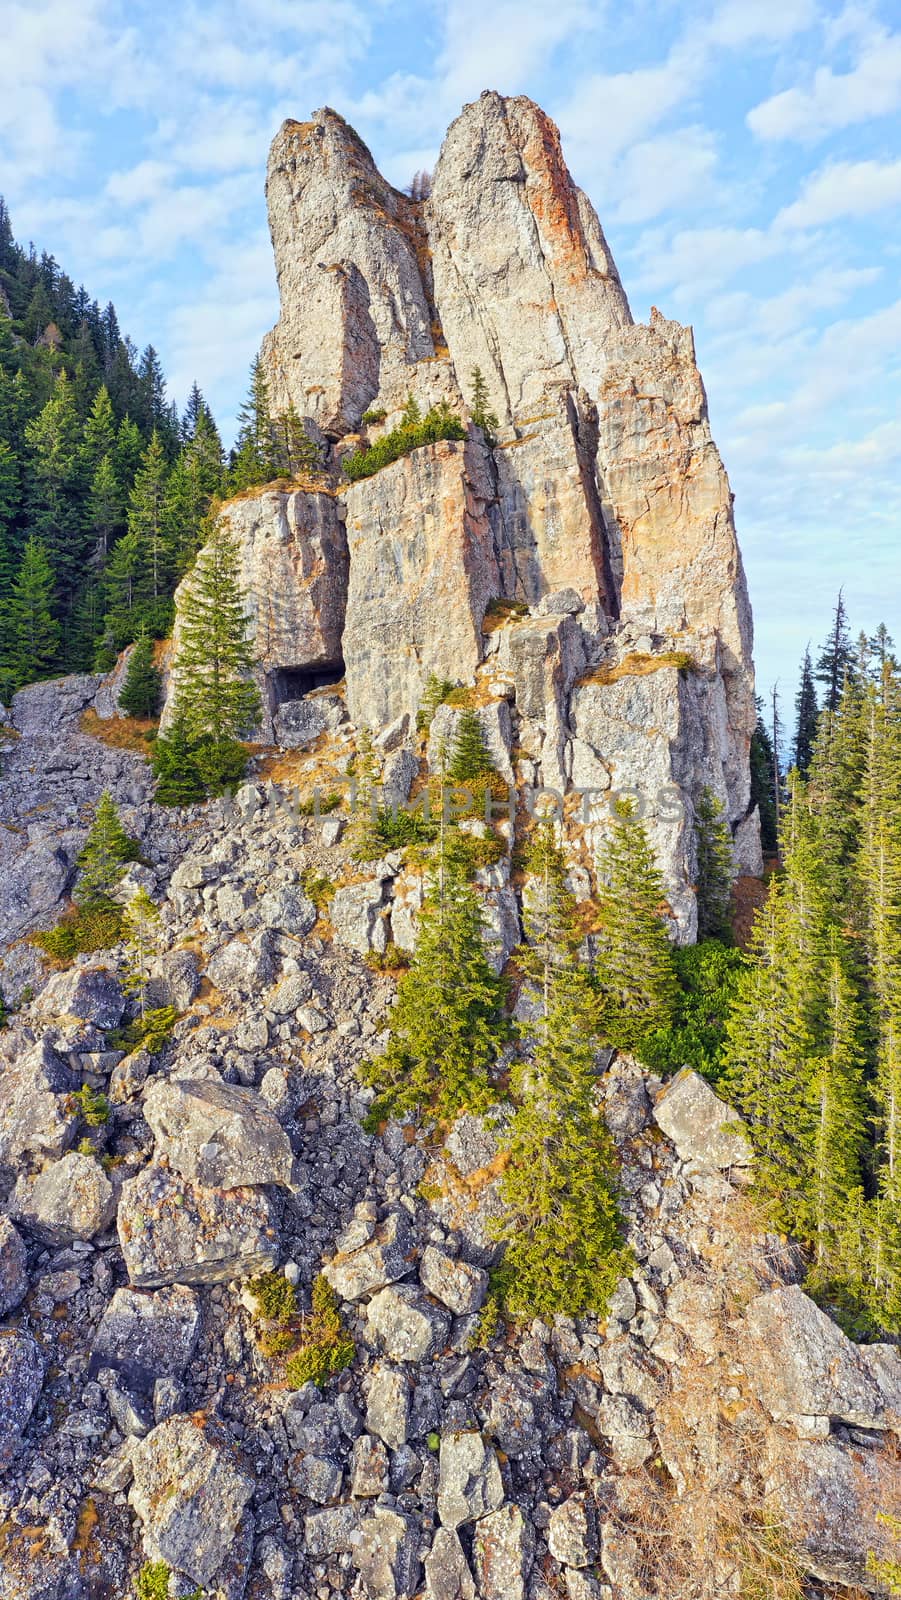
x=439, y=422
x=835, y=665
x=141, y=920
x=713, y=844
x=479, y=411
x=370, y=419
x=436, y=692
x=221, y=764
x=635, y=975
x=275, y=1297
x=215, y=696
x=140, y=693
x=393, y=830
x=391, y=959
x=806, y=714
x=149, y=1032
x=80, y=932
x=887, y=1571
x=178, y=777
x=448, y=1024
x=324, y=1346
x=470, y=757
x=708, y=975
x=153, y=1581
x=102, y=861
x=32, y=634
x=91, y=1106
x=562, y=1230
x=317, y=888
x=489, y=1322
x=762, y=790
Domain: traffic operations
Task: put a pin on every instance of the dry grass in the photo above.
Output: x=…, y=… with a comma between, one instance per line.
x=637, y=665
x=122, y=733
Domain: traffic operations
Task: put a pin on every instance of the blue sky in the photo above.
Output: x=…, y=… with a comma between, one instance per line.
x=744, y=157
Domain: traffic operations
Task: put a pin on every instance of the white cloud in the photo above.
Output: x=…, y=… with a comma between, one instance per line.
x=745, y=22
x=844, y=189
x=664, y=173
x=836, y=99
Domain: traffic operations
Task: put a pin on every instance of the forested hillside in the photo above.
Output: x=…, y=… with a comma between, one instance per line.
x=103, y=485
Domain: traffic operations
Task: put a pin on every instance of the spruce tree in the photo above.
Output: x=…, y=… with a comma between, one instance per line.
x=99, y=431
x=762, y=763
x=255, y=455
x=215, y=695
x=178, y=778
x=294, y=452
x=562, y=1231
x=470, y=757
x=634, y=971
x=140, y=693
x=448, y=1025
x=33, y=634
x=146, y=519
x=102, y=861
x=104, y=509
x=716, y=869
x=479, y=411
x=55, y=481
x=836, y=660
x=882, y=646
x=141, y=920
x=806, y=713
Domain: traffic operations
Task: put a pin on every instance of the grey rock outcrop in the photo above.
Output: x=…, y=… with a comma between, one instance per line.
x=189, y=1492
x=470, y=1484
x=21, y=1378
x=71, y=1199
x=702, y=1127
x=218, y=1135
x=13, y=1267
x=172, y=1231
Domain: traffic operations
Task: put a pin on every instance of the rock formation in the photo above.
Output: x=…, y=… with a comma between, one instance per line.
x=601, y=512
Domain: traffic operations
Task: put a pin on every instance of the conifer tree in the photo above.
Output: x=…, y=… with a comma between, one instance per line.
x=806, y=713
x=141, y=919
x=448, y=1025
x=128, y=452
x=215, y=695
x=836, y=660
x=479, y=411
x=178, y=778
x=762, y=763
x=55, y=481
x=470, y=757
x=102, y=860
x=294, y=452
x=146, y=520
x=716, y=869
x=255, y=460
x=104, y=509
x=99, y=431
x=140, y=694
x=561, y=1229
x=33, y=635
x=634, y=972
x=882, y=646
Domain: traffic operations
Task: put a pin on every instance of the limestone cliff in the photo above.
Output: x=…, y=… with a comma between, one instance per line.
x=602, y=507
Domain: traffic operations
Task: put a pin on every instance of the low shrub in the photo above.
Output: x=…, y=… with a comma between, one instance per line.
x=91, y=1106
x=150, y=1032
x=275, y=1297
x=391, y=959
x=79, y=932
x=324, y=1346
x=439, y=422
x=708, y=975
x=393, y=830
x=317, y=888
x=371, y=418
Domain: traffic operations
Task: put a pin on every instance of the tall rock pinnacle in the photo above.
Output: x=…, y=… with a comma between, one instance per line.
x=601, y=507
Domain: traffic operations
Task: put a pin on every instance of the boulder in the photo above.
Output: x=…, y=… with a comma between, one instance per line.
x=830, y=1499
x=503, y=1553
x=242, y=970
x=318, y=1478
x=189, y=1492
x=287, y=911
x=469, y=1484
x=13, y=1267
x=804, y=1366
x=355, y=913
x=218, y=1135
x=447, y=1574
x=627, y=1431
x=32, y=887
x=172, y=1231
x=71, y=1199
x=369, y=1471
x=572, y=1534
x=174, y=979
x=388, y=1404
x=298, y=723
x=144, y=1337
x=21, y=1377
x=703, y=1129
x=45, y=707
x=35, y=1116
x=331, y=1532
x=91, y=993
x=456, y=1284
x=405, y=1324
x=384, y=1258
x=387, y=1555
